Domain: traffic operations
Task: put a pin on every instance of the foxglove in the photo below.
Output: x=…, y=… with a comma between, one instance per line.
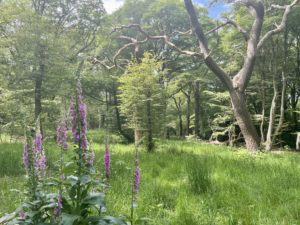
x=107, y=161
x=25, y=157
x=61, y=133
x=137, y=175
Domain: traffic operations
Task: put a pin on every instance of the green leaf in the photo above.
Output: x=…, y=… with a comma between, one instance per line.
x=95, y=199
x=68, y=219
x=72, y=180
x=106, y=220
x=7, y=217
x=85, y=179
x=48, y=206
x=69, y=167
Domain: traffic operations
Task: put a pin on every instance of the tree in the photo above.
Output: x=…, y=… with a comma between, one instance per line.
x=236, y=84
x=142, y=96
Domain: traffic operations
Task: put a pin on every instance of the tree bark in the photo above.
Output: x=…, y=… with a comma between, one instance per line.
x=269, y=142
x=138, y=135
x=179, y=110
x=262, y=124
x=118, y=117
x=188, y=109
x=38, y=89
x=244, y=120
x=188, y=115
x=283, y=90
x=150, y=144
x=197, y=109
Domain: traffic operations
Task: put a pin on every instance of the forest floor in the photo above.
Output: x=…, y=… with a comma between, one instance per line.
x=183, y=183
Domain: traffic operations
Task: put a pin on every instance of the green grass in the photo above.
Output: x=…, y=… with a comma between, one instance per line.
x=185, y=183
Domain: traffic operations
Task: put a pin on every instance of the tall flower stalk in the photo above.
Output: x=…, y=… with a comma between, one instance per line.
x=135, y=186
x=61, y=139
x=39, y=155
x=61, y=134
x=107, y=161
x=78, y=116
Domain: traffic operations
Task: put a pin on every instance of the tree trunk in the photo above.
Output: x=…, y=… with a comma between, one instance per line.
x=180, y=125
x=38, y=90
x=244, y=120
x=294, y=101
x=138, y=134
x=118, y=118
x=298, y=141
x=262, y=124
x=282, y=103
x=283, y=91
x=178, y=107
x=272, y=116
x=38, y=96
x=197, y=109
x=150, y=144
x=188, y=108
x=188, y=115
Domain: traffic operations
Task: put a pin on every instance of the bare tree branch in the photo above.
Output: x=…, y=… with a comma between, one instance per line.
x=256, y=9
x=282, y=25
x=216, y=28
x=239, y=28
x=189, y=32
x=218, y=71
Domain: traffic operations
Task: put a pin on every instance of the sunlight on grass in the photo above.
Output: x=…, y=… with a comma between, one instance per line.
x=185, y=183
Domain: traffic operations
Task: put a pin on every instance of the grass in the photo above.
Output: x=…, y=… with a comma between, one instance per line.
x=185, y=183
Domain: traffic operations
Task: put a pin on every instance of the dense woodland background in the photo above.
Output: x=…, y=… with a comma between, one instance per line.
x=144, y=85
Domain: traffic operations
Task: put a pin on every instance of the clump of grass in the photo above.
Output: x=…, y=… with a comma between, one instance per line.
x=11, y=159
x=199, y=172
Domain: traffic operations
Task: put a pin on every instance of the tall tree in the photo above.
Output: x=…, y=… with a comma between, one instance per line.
x=237, y=85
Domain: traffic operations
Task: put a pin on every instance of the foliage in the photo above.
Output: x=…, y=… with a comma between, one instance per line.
x=80, y=198
x=260, y=189
x=142, y=94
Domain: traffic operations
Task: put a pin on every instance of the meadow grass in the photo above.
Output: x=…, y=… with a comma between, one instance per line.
x=184, y=183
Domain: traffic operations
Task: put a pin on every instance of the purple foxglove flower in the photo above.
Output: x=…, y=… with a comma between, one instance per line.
x=73, y=117
x=92, y=158
x=38, y=142
x=57, y=209
x=137, y=175
x=40, y=164
x=83, y=123
x=61, y=133
x=22, y=215
x=107, y=161
x=25, y=157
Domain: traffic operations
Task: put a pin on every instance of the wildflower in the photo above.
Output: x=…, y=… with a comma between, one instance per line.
x=22, y=215
x=107, y=161
x=83, y=123
x=92, y=158
x=38, y=142
x=57, y=209
x=136, y=177
x=61, y=133
x=40, y=164
x=25, y=156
